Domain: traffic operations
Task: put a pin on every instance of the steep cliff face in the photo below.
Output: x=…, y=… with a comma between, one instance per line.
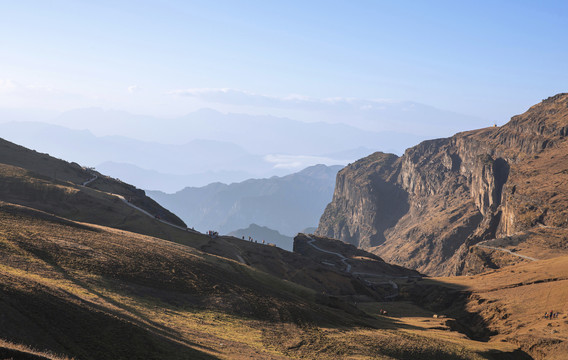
x=366, y=202
x=426, y=209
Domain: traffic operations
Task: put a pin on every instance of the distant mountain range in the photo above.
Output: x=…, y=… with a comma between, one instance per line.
x=287, y=204
x=197, y=162
x=205, y=146
x=257, y=133
x=152, y=179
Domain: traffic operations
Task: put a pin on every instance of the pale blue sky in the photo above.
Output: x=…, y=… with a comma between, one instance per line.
x=489, y=59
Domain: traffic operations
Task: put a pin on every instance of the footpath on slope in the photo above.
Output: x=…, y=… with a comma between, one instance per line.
x=497, y=240
x=343, y=258
x=348, y=268
x=123, y=199
x=90, y=181
x=138, y=208
x=507, y=251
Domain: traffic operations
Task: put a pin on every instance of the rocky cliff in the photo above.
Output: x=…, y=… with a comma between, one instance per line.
x=426, y=209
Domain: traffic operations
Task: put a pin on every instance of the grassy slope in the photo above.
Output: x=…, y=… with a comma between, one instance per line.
x=99, y=293
x=290, y=266
x=12, y=351
x=18, y=185
x=95, y=204
x=53, y=185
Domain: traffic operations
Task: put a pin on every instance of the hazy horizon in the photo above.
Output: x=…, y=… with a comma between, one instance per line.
x=288, y=85
x=207, y=146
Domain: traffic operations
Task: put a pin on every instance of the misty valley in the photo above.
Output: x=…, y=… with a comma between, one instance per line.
x=454, y=250
x=318, y=180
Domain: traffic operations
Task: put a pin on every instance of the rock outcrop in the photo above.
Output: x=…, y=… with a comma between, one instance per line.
x=424, y=210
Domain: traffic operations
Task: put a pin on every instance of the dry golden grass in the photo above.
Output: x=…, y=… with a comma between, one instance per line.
x=43, y=182
x=169, y=288
x=513, y=301
x=12, y=351
x=68, y=200
x=41, y=165
x=92, y=292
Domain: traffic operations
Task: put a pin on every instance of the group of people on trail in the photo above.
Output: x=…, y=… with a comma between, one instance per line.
x=252, y=240
x=551, y=315
x=213, y=234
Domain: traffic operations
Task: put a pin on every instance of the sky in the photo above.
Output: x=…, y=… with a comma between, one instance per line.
x=485, y=59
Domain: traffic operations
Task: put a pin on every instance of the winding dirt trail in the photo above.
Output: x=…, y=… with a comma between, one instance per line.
x=123, y=199
x=90, y=181
x=343, y=258
x=507, y=251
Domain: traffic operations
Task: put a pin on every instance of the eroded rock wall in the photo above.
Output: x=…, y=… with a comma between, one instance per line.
x=425, y=209
x=365, y=202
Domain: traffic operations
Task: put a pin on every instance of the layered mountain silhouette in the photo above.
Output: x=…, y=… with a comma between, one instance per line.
x=257, y=133
x=286, y=204
x=231, y=147
x=149, y=165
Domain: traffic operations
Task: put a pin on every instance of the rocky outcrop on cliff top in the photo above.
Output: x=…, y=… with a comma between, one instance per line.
x=426, y=209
